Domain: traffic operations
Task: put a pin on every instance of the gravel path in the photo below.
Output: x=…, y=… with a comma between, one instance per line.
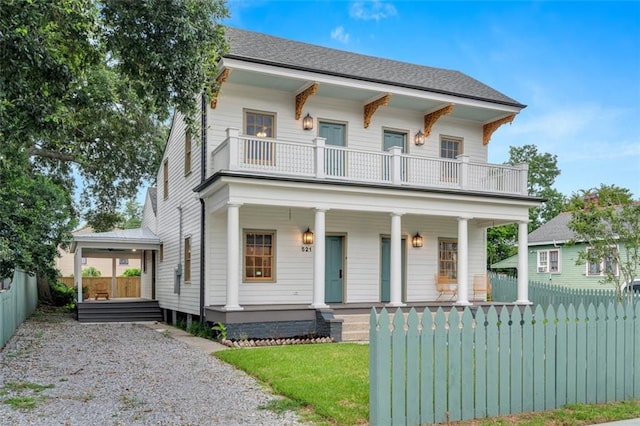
x=123, y=374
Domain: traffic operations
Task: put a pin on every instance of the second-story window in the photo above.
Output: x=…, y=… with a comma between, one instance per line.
x=262, y=126
x=450, y=147
x=259, y=124
x=187, y=153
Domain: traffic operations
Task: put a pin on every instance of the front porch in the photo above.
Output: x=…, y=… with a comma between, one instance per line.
x=345, y=322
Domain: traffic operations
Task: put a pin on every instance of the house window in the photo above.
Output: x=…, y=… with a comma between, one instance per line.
x=549, y=261
x=165, y=172
x=261, y=125
x=84, y=260
x=259, y=255
x=161, y=253
x=448, y=258
x=123, y=261
x=450, y=148
x=603, y=267
x=187, y=153
x=187, y=259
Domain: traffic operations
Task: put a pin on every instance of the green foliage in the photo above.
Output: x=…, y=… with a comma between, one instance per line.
x=219, y=331
x=131, y=215
x=131, y=272
x=17, y=399
x=91, y=271
x=607, y=219
x=331, y=379
x=91, y=86
x=61, y=295
x=201, y=330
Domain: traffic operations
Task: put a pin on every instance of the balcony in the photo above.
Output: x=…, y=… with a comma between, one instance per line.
x=317, y=160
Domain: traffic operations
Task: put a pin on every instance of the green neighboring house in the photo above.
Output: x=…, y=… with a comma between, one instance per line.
x=552, y=260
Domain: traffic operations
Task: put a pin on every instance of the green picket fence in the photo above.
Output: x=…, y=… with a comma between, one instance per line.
x=433, y=367
x=17, y=304
x=504, y=289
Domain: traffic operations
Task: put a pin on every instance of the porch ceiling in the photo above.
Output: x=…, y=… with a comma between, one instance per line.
x=464, y=108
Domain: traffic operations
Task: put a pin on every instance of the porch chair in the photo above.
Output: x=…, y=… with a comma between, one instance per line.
x=446, y=285
x=480, y=285
x=101, y=291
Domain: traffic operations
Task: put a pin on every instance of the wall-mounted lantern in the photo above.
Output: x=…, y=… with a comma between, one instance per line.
x=417, y=240
x=418, y=139
x=307, y=237
x=307, y=122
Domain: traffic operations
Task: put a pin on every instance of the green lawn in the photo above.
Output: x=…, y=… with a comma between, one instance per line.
x=332, y=382
x=332, y=379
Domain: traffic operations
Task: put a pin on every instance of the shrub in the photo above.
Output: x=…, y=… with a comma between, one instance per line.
x=131, y=272
x=61, y=295
x=91, y=271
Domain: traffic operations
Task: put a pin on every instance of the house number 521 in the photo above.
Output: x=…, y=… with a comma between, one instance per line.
x=306, y=249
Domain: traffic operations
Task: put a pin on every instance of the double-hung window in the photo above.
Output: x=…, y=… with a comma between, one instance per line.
x=602, y=267
x=259, y=150
x=548, y=261
x=448, y=258
x=259, y=250
x=450, y=148
x=187, y=259
x=187, y=153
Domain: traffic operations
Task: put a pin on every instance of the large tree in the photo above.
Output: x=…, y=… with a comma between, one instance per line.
x=607, y=219
x=86, y=89
x=543, y=171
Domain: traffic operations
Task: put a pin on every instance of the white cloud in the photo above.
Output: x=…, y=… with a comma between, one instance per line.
x=339, y=34
x=373, y=10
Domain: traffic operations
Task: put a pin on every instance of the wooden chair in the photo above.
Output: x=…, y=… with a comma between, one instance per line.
x=446, y=285
x=101, y=291
x=481, y=285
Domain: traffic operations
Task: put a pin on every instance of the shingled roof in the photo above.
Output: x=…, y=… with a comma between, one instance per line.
x=265, y=49
x=555, y=230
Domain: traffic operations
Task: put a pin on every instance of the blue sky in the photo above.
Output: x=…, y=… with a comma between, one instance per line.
x=575, y=64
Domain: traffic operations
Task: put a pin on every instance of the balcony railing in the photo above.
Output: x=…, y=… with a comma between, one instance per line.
x=317, y=160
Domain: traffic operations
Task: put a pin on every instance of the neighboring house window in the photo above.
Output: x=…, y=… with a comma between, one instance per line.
x=187, y=259
x=123, y=261
x=605, y=266
x=259, y=249
x=549, y=261
x=84, y=260
x=448, y=258
x=165, y=172
x=161, y=253
x=187, y=153
x=261, y=125
x=450, y=148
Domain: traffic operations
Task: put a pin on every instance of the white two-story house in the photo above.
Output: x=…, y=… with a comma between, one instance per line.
x=326, y=180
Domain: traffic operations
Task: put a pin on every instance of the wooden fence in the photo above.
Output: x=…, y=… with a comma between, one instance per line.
x=125, y=286
x=504, y=289
x=435, y=367
x=17, y=303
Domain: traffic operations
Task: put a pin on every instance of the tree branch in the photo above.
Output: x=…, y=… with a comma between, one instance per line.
x=53, y=155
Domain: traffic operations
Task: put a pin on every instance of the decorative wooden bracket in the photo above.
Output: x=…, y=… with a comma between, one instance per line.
x=431, y=118
x=301, y=98
x=370, y=108
x=221, y=79
x=489, y=128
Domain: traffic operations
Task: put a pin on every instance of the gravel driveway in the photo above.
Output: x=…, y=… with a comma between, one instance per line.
x=122, y=374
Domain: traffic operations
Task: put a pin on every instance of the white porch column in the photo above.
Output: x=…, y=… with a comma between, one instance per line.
x=523, y=267
x=463, y=262
x=233, y=258
x=395, y=269
x=77, y=270
x=319, y=259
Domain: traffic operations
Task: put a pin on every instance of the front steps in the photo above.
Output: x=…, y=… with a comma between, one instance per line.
x=119, y=311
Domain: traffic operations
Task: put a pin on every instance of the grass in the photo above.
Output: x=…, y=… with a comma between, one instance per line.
x=20, y=401
x=331, y=379
x=329, y=383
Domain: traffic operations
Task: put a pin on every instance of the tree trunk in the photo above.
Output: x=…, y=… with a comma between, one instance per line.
x=44, y=290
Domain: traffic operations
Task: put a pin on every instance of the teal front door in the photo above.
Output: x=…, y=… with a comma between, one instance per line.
x=335, y=160
x=385, y=268
x=333, y=270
